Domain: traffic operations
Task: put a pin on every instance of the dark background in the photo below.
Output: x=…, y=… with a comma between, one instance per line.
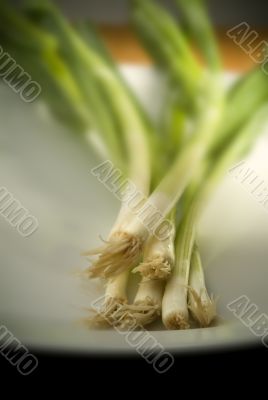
x=224, y=12
x=209, y=375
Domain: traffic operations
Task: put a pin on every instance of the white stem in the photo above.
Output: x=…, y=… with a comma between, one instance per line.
x=158, y=259
x=174, y=308
x=202, y=306
x=150, y=292
x=197, y=276
x=161, y=248
x=115, y=301
x=117, y=287
x=174, y=305
x=146, y=307
x=124, y=217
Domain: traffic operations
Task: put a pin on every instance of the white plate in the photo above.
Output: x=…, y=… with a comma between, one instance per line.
x=48, y=171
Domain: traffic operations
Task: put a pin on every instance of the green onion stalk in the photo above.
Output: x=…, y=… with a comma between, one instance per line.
x=164, y=256
x=113, y=310
x=189, y=282
x=122, y=248
x=168, y=45
x=84, y=89
x=175, y=301
x=134, y=233
x=66, y=66
x=201, y=305
x=59, y=87
x=186, y=289
x=156, y=266
x=146, y=307
x=199, y=26
x=172, y=186
x=158, y=258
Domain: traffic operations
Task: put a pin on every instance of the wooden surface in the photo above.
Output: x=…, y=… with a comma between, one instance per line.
x=126, y=48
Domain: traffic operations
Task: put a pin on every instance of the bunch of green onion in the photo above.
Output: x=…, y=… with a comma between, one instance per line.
x=203, y=130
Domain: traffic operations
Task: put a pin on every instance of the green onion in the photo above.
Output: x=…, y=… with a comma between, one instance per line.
x=163, y=39
x=158, y=255
x=201, y=305
x=175, y=164
x=175, y=308
x=199, y=26
x=114, y=304
x=147, y=303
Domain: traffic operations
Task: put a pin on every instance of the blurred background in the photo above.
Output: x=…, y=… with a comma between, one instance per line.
x=113, y=16
x=48, y=261
x=224, y=13
x=227, y=12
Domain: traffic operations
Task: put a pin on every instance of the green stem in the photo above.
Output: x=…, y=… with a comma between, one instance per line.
x=165, y=41
x=199, y=25
x=135, y=132
x=244, y=99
